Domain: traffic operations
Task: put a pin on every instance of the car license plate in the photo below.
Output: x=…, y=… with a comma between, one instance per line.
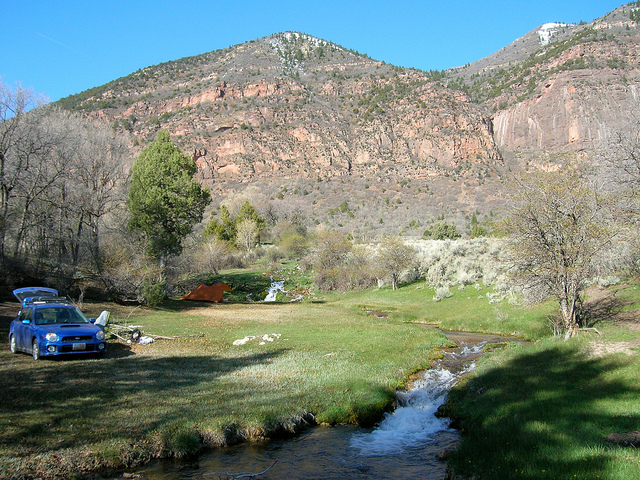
x=79, y=346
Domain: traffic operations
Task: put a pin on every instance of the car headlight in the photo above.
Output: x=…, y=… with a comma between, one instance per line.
x=51, y=337
x=100, y=335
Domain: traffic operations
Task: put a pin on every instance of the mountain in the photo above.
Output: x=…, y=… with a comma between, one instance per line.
x=561, y=87
x=304, y=127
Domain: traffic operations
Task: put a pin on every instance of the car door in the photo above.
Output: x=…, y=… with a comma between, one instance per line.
x=23, y=330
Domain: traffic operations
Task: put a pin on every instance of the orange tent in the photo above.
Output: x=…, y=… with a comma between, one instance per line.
x=206, y=293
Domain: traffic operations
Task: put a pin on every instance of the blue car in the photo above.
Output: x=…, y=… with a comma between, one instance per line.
x=49, y=325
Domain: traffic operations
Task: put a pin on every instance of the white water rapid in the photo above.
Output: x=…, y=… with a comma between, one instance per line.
x=414, y=422
x=404, y=445
x=273, y=291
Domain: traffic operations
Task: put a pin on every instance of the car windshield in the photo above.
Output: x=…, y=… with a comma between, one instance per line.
x=57, y=315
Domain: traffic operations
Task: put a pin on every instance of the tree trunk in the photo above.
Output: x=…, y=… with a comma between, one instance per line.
x=569, y=317
x=162, y=261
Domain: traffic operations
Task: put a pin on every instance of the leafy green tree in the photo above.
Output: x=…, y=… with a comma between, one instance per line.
x=477, y=231
x=164, y=200
x=248, y=212
x=293, y=244
x=226, y=227
x=444, y=231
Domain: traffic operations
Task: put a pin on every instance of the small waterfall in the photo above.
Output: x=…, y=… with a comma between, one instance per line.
x=273, y=290
x=414, y=423
x=278, y=287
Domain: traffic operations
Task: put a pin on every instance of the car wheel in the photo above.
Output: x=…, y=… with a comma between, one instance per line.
x=35, y=350
x=13, y=346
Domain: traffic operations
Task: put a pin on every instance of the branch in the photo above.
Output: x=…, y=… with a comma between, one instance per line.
x=590, y=328
x=233, y=476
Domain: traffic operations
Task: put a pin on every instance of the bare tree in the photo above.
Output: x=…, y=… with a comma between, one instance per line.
x=394, y=257
x=247, y=234
x=621, y=159
x=60, y=175
x=19, y=141
x=37, y=196
x=330, y=254
x=97, y=180
x=558, y=227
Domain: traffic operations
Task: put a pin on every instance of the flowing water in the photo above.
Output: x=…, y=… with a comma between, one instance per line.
x=273, y=290
x=404, y=445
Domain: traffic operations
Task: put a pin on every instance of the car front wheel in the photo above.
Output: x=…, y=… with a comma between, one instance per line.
x=35, y=350
x=13, y=346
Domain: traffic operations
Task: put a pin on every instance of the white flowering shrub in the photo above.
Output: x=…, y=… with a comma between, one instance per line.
x=442, y=293
x=604, y=282
x=462, y=263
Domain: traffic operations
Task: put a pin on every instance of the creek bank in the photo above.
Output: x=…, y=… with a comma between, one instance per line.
x=410, y=439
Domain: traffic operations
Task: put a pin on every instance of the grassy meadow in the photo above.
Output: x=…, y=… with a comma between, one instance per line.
x=325, y=360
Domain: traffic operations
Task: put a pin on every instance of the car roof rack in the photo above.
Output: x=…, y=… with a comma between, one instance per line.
x=44, y=300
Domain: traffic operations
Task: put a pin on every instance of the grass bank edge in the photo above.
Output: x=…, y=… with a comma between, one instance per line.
x=558, y=421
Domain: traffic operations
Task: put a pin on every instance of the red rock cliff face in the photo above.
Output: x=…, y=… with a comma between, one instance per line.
x=573, y=111
x=355, y=117
x=406, y=140
x=587, y=91
x=293, y=109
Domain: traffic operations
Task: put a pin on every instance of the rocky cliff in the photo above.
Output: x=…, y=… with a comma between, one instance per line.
x=562, y=87
x=301, y=124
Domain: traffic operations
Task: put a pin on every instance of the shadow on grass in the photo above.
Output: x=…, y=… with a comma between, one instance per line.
x=536, y=416
x=242, y=282
x=602, y=310
x=80, y=401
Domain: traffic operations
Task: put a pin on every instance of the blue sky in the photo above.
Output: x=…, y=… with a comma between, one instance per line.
x=63, y=47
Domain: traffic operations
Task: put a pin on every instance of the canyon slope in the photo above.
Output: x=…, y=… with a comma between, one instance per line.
x=307, y=129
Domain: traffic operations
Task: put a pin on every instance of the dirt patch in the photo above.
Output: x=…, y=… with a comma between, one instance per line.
x=598, y=348
x=628, y=439
x=603, y=305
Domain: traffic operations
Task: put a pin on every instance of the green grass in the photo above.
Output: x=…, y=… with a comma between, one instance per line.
x=332, y=363
x=544, y=411
x=173, y=397
x=467, y=310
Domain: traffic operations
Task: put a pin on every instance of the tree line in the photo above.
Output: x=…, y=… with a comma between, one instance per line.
x=61, y=178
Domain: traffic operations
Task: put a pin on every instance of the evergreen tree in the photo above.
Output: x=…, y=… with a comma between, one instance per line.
x=164, y=200
x=444, y=231
x=249, y=212
x=226, y=227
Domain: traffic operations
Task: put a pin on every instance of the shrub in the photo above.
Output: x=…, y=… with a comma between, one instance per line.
x=294, y=245
x=604, y=282
x=125, y=269
x=442, y=293
x=153, y=293
x=444, y=231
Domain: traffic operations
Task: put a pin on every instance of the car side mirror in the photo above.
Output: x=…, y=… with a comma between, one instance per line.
x=26, y=321
x=92, y=320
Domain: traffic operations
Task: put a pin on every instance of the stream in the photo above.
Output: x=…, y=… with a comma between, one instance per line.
x=405, y=444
